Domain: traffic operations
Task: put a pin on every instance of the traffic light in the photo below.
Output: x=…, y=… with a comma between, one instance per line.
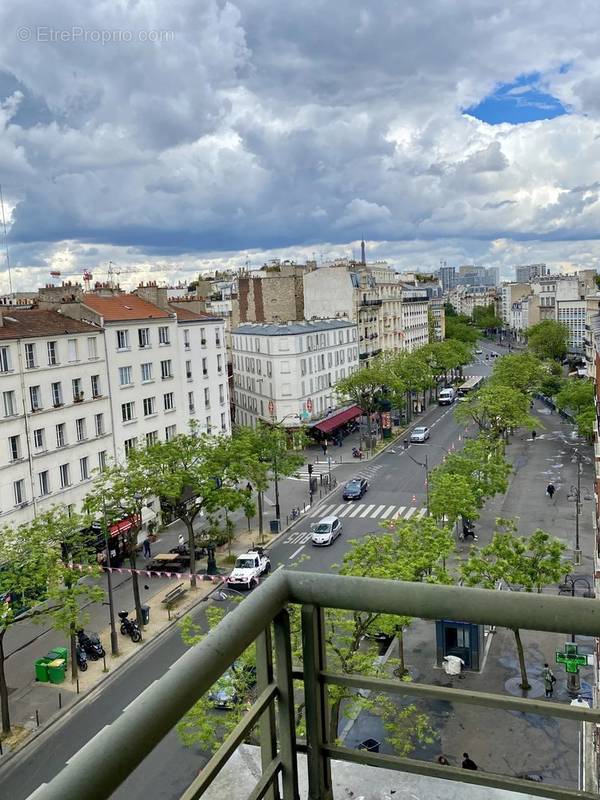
x=310, y=469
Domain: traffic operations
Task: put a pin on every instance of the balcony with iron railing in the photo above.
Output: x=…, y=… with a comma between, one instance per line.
x=264, y=618
x=371, y=303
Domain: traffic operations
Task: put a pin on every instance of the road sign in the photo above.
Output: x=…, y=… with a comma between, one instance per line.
x=571, y=658
x=271, y=406
x=309, y=405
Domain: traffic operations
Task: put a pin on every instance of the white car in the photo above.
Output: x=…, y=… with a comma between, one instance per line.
x=479, y=351
x=326, y=531
x=249, y=567
x=420, y=434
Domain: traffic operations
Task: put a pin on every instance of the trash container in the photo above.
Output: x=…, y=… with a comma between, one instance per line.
x=41, y=670
x=274, y=525
x=372, y=745
x=145, y=615
x=56, y=670
x=58, y=652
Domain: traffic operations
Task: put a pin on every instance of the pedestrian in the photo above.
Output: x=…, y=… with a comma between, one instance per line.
x=324, y=446
x=533, y=435
x=549, y=680
x=467, y=762
x=181, y=540
x=443, y=760
x=550, y=489
x=147, y=552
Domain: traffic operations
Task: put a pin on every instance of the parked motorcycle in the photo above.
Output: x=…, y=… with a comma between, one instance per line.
x=91, y=644
x=129, y=627
x=82, y=661
x=356, y=453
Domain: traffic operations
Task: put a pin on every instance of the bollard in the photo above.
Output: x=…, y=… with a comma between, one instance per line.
x=37, y=717
x=287, y=520
x=104, y=660
x=59, y=701
x=1, y=751
x=77, y=685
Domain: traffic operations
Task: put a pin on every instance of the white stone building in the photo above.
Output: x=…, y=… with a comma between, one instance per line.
x=287, y=372
x=55, y=420
x=414, y=319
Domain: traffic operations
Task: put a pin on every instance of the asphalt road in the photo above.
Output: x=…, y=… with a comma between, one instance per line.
x=397, y=488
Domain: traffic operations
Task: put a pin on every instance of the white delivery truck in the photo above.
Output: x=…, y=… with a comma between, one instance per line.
x=447, y=396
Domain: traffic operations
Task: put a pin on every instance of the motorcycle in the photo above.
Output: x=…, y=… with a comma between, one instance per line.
x=356, y=453
x=129, y=627
x=82, y=661
x=91, y=644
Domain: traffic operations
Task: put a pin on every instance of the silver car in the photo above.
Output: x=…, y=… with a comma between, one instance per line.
x=326, y=531
x=420, y=434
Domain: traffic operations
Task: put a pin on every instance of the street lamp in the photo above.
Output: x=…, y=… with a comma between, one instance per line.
x=575, y=494
x=276, y=423
x=568, y=587
x=426, y=468
x=114, y=641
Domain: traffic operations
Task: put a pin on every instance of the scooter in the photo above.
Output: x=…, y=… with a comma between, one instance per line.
x=82, y=661
x=129, y=627
x=91, y=644
x=356, y=453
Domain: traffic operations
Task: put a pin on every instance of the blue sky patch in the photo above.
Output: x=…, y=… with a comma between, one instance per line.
x=524, y=100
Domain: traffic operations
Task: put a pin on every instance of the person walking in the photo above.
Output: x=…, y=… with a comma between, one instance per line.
x=467, y=762
x=146, y=551
x=533, y=435
x=549, y=680
x=550, y=489
x=181, y=540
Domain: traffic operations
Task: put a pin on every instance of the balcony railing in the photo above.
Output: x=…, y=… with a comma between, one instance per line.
x=112, y=755
x=368, y=303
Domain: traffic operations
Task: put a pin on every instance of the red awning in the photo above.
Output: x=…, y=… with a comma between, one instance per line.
x=123, y=526
x=337, y=420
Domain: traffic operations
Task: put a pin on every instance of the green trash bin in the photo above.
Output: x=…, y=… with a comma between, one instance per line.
x=58, y=652
x=41, y=670
x=56, y=670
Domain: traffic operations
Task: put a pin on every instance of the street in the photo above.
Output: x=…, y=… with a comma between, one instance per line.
x=397, y=491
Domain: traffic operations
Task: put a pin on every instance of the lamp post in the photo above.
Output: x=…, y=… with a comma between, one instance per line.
x=114, y=641
x=575, y=494
x=568, y=587
x=276, y=424
x=426, y=468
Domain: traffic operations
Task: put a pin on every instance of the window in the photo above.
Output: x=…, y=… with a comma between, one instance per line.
x=57, y=396
x=52, y=353
x=96, y=389
x=151, y=438
x=10, y=404
x=191, y=406
x=99, y=424
x=65, y=477
x=203, y=337
x=207, y=398
x=149, y=406
x=170, y=432
x=38, y=439
x=84, y=468
x=5, y=363
x=14, y=447
x=80, y=429
x=129, y=445
x=186, y=339
x=188, y=370
x=92, y=346
x=218, y=338
x=165, y=369
x=73, y=350
x=146, y=372
x=163, y=336
x=125, y=376
x=224, y=423
x=204, y=367
x=144, y=337
x=77, y=390
x=19, y=489
x=61, y=435
x=35, y=397
x=30, y=360
x=122, y=340
x=221, y=393
x=220, y=363
x=44, y=480
x=102, y=460
x=169, y=401
x=269, y=369
x=208, y=425
x=127, y=412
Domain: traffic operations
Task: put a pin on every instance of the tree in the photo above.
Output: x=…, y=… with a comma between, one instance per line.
x=523, y=563
x=497, y=411
x=485, y=317
x=522, y=371
x=199, y=473
x=548, y=339
x=364, y=388
x=459, y=328
x=553, y=379
x=578, y=397
x=452, y=496
x=482, y=462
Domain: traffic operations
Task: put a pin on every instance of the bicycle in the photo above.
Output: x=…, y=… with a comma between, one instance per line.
x=294, y=513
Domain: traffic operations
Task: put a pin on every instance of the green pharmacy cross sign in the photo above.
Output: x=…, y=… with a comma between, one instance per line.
x=571, y=658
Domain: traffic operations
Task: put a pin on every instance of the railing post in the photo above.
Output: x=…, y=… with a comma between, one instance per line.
x=266, y=728
x=285, y=706
x=316, y=705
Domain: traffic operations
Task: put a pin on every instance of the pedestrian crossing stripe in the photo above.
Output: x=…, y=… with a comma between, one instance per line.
x=301, y=537
x=364, y=511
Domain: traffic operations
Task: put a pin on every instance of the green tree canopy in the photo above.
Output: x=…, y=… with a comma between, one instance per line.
x=482, y=462
x=497, y=411
x=578, y=396
x=548, y=339
x=485, y=317
x=460, y=329
x=452, y=496
x=522, y=371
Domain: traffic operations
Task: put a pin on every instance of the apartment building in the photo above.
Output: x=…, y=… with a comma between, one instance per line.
x=529, y=272
x=287, y=372
x=511, y=293
x=55, y=423
x=465, y=298
x=447, y=277
x=414, y=319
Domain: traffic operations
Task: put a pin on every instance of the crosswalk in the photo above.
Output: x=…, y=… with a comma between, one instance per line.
x=318, y=469
x=367, y=511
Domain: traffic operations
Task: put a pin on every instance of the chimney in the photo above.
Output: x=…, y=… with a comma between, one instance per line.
x=157, y=295
x=363, y=253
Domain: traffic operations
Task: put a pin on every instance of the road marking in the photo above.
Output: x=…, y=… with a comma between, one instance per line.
x=297, y=551
x=388, y=512
x=367, y=510
x=297, y=537
x=336, y=511
x=399, y=512
x=344, y=511
x=322, y=512
x=88, y=743
x=410, y=512
x=421, y=513
x=356, y=510
x=377, y=511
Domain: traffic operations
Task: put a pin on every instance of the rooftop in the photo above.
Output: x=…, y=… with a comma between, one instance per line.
x=123, y=307
x=36, y=322
x=186, y=315
x=292, y=328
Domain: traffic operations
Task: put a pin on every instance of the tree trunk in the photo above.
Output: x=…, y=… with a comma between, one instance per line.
x=369, y=433
x=525, y=685
x=401, y=669
x=334, y=721
x=73, y=648
x=4, y=689
x=136, y=586
x=408, y=406
x=192, y=548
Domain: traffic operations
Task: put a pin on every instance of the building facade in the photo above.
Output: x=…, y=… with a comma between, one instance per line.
x=287, y=372
x=465, y=298
x=529, y=272
x=448, y=277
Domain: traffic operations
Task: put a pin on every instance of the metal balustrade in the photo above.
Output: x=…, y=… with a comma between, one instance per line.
x=263, y=617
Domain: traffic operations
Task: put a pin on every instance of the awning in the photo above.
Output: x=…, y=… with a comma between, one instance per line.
x=123, y=526
x=337, y=420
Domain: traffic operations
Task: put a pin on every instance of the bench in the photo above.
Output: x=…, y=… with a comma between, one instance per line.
x=173, y=596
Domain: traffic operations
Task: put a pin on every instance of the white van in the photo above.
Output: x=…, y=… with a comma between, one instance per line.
x=447, y=396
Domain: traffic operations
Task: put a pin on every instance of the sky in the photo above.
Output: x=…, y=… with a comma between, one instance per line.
x=173, y=138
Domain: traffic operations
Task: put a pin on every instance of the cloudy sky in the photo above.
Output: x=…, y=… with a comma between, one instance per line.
x=173, y=137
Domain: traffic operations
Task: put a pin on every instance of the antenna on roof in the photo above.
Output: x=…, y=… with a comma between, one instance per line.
x=6, y=242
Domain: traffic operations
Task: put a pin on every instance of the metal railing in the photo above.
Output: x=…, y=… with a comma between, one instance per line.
x=263, y=617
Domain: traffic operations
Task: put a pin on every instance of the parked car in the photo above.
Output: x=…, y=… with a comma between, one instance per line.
x=355, y=489
x=326, y=531
x=479, y=351
x=419, y=434
x=249, y=567
x=233, y=686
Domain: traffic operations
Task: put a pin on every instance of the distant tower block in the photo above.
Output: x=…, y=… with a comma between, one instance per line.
x=363, y=253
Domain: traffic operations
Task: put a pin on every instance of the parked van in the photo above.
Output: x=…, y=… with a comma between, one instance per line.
x=447, y=396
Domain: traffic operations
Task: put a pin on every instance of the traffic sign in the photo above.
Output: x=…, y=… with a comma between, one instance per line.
x=309, y=405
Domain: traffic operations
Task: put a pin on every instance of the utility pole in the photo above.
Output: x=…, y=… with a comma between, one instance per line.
x=577, y=511
x=260, y=517
x=114, y=641
x=427, y=483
